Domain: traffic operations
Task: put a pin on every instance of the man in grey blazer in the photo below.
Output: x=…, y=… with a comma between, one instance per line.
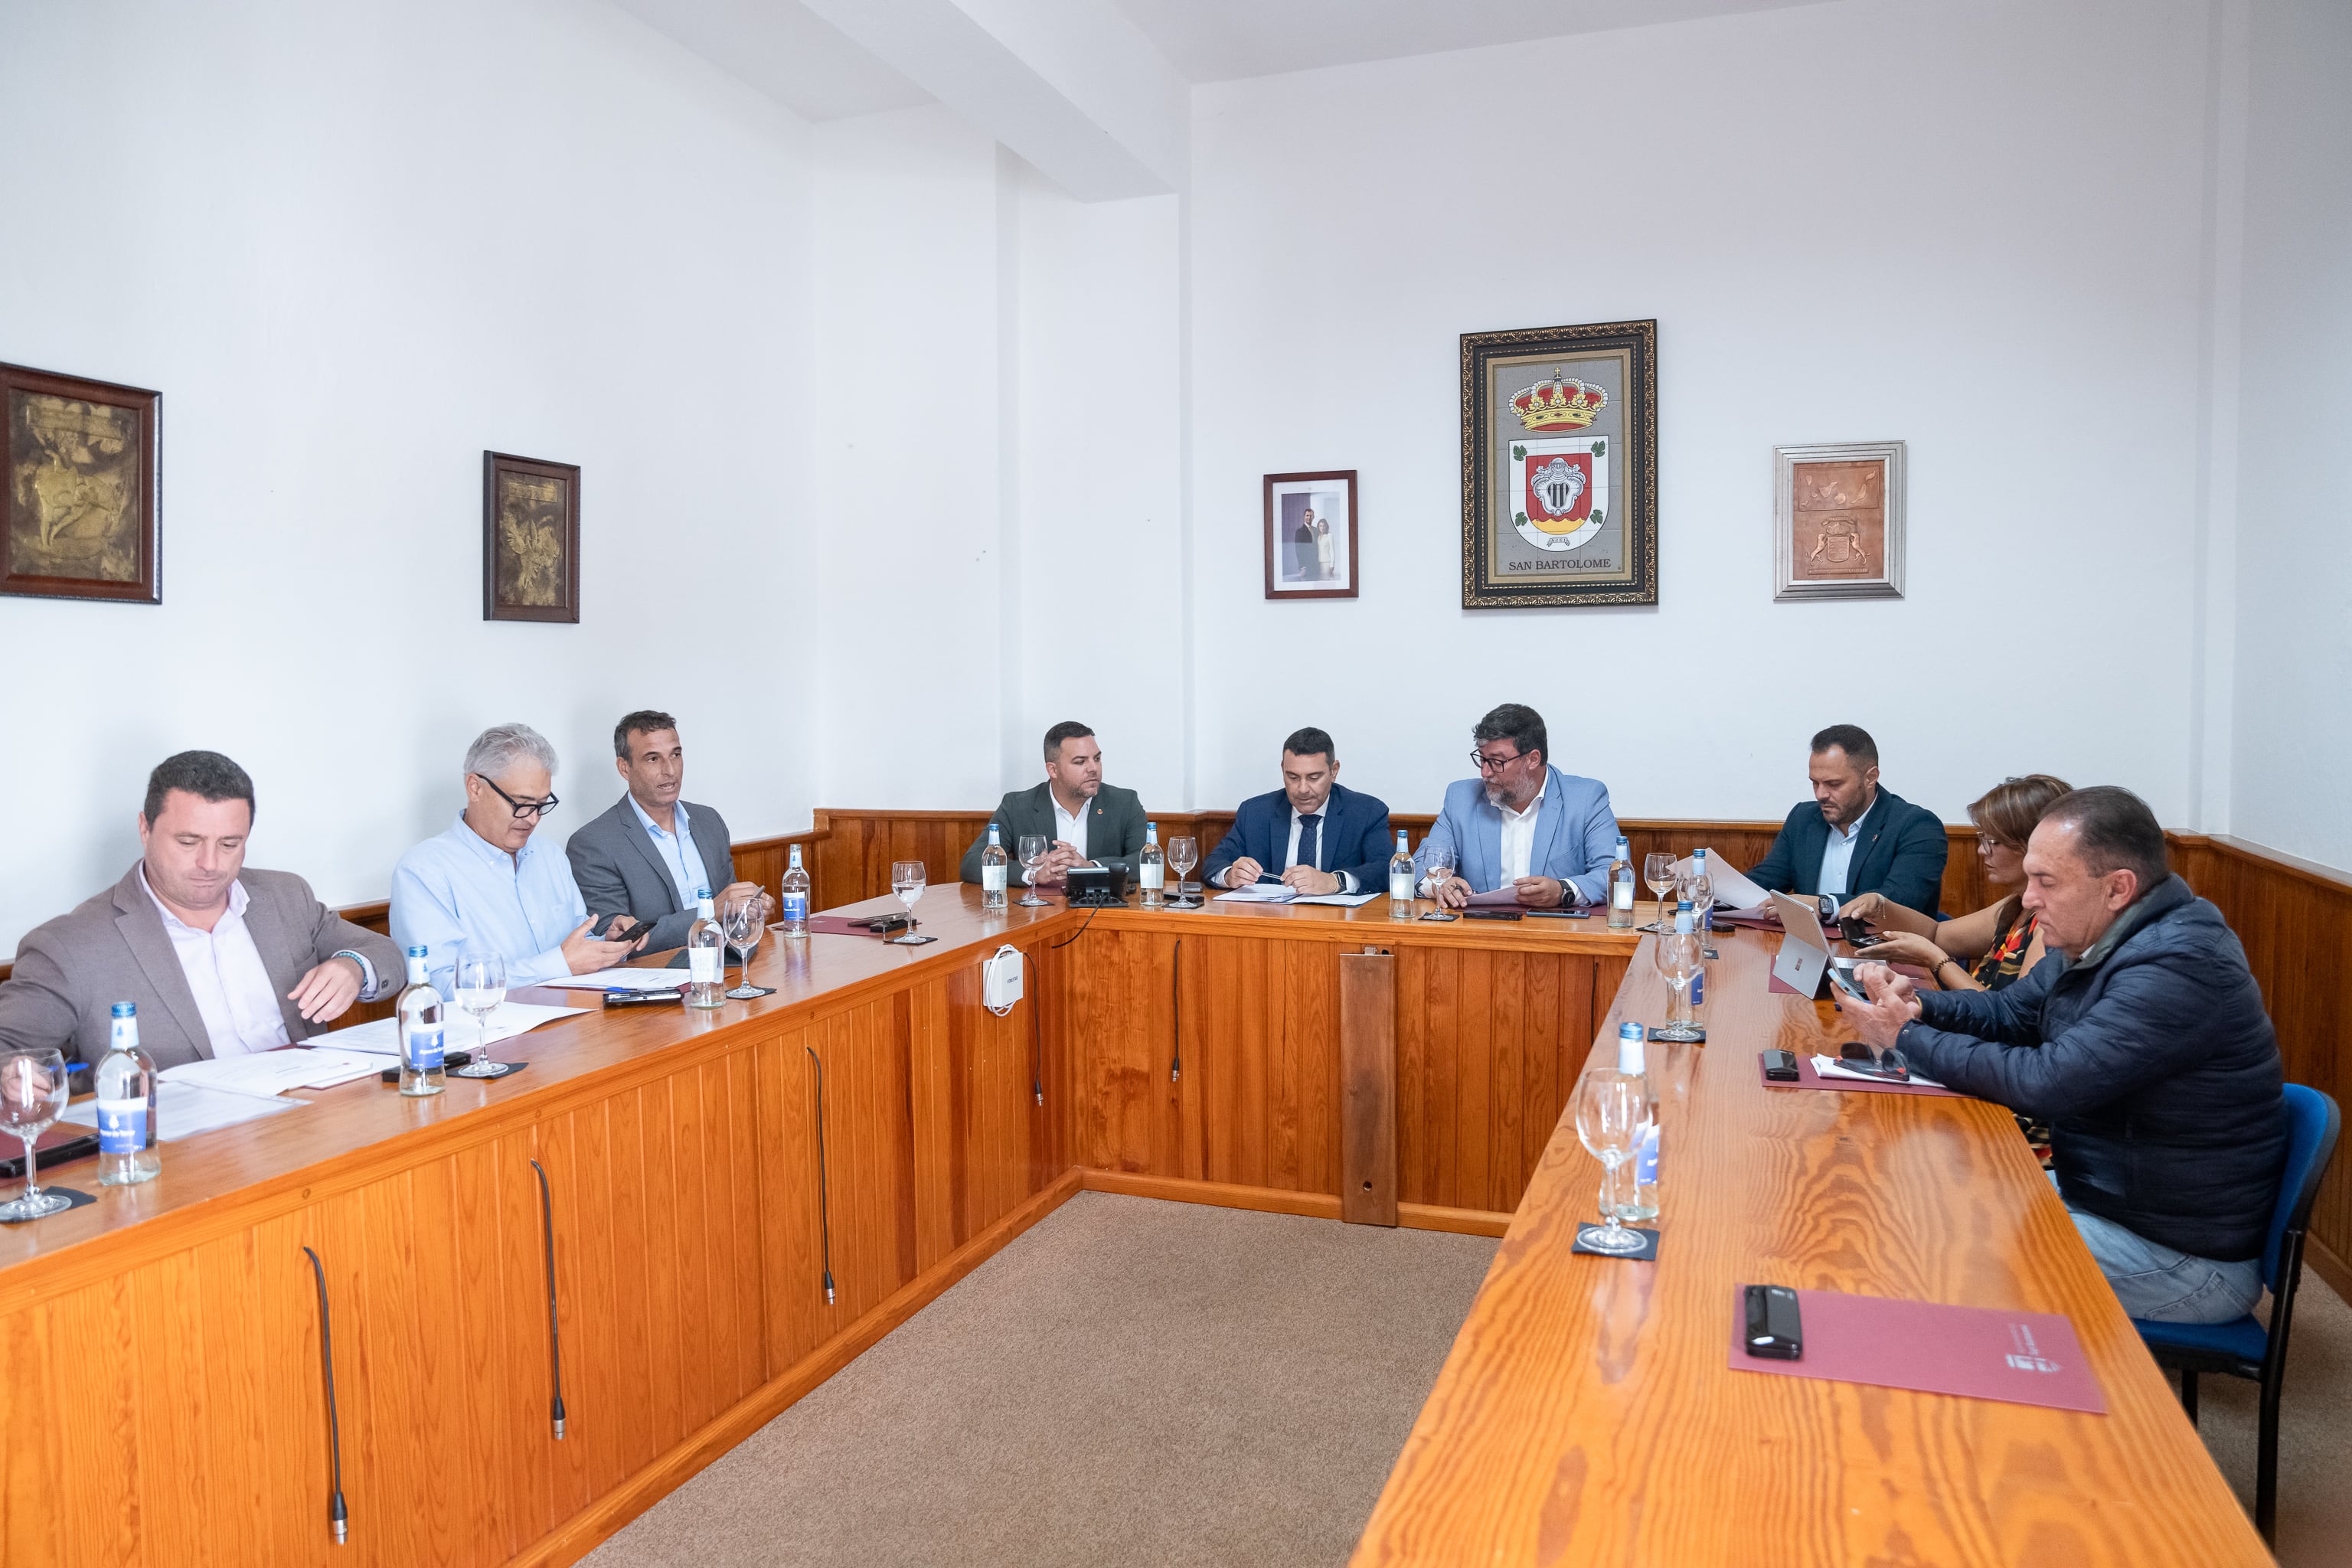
x=649, y=854
x=1086, y=821
x=219, y=958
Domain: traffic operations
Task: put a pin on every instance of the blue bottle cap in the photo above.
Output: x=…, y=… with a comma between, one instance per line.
x=126, y=1009
x=701, y=892
x=1681, y=904
x=1631, y=1031
x=417, y=952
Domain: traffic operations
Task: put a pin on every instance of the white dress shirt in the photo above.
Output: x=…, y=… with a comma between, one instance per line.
x=1071, y=830
x=1517, y=850
x=1837, y=856
x=234, y=995
x=677, y=852
x=1322, y=844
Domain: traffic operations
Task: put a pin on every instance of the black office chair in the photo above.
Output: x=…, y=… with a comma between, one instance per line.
x=2244, y=1349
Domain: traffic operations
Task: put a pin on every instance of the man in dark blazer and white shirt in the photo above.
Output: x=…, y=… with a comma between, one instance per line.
x=1085, y=821
x=1853, y=837
x=1314, y=834
x=219, y=958
x=652, y=852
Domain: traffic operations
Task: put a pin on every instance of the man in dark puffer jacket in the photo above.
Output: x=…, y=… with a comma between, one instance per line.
x=2142, y=1042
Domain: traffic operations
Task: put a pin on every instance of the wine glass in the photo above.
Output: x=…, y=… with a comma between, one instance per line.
x=1676, y=956
x=1658, y=871
x=744, y=922
x=1612, y=1113
x=1436, y=866
x=1032, y=846
x=32, y=1096
x=906, y=881
x=1183, y=853
x=482, y=985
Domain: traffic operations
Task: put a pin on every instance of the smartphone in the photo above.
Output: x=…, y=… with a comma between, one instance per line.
x=1494, y=913
x=1856, y=932
x=1780, y=1067
x=1562, y=914
x=1775, y=1327
x=1844, y=977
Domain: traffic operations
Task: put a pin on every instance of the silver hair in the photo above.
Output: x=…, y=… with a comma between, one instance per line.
x=501, y=746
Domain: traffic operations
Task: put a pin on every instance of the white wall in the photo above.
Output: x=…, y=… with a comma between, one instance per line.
x=2294, y=665
x=354, y=246
x=1975, y=226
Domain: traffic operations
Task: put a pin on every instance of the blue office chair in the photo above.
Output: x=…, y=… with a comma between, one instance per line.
x=2243, y=1348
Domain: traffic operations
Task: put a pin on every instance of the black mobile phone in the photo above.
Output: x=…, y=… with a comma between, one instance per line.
x=1856, y=932
x=1562, y=914
x=1494, y=914
x=1844, y=980
x=1780, y=1067
x=1775, y=1327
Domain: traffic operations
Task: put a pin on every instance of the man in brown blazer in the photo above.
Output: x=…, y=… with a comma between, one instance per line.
x=220, y=958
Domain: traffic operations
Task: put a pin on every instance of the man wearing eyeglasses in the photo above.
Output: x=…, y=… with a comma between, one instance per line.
x=484, y=883
x=1521, y=823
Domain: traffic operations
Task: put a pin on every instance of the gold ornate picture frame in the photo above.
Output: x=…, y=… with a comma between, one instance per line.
x=530, y=540
x=1838, y=520
x=80, y=493
x=1559, y=466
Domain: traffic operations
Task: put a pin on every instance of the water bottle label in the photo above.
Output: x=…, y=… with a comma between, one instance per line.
x=425, y=1049
x=1154, y=877
x=795, y=908
x=1645, y=1164
x=1400, y=884
x=1623, y=895
x=122, y=1126
x=702, y=965
x=1698, y=985
x=991, y=878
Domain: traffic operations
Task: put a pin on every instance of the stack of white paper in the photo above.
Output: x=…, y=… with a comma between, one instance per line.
x=1830, y=1066
x=381, y=1037
x=619, y=980
x=183, y=1110
x=274, y=1072
x=1732, y=891
x=1259, y=893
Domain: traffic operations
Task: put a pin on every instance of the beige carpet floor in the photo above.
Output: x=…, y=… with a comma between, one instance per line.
x=1131, y=1383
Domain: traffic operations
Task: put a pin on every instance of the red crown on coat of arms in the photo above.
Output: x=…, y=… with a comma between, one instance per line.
x=1563, y=403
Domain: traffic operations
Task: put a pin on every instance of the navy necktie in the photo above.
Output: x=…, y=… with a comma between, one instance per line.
x=1310, y=840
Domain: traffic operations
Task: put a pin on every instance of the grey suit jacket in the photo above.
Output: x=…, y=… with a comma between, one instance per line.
x=620, y=871
x=112, y=948
x=1114, y=828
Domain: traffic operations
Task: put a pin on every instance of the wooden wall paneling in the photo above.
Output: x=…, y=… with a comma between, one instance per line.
x=869, y=1147
x=791, y=1224
x=1128, y=1112
x=1262, y=1037
x=575, y=1478
x=993, y=1138
x=1367, y=1160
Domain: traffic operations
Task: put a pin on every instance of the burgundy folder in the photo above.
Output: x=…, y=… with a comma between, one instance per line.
x=1976, y=1352
x=1808, y=1079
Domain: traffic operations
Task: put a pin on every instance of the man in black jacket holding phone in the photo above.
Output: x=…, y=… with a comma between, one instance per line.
x=2141, y=1039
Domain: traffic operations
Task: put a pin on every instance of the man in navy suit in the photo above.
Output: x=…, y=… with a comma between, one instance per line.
x=1854, y=837
x=1521, y=823
x=1310, y=835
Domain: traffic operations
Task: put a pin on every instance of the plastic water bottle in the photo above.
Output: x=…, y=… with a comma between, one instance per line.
x=994, y=865
x=1699, y=889
x=1401, y=881
x=421, y=1040
x=1686, y=920
x=1620, y=887
x=706, y=955
x=126, y=1106
x=1151, y=868
x=1632, y=1058
x=794, y=907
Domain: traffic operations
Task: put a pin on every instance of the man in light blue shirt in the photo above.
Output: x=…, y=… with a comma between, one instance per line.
x=484, y=883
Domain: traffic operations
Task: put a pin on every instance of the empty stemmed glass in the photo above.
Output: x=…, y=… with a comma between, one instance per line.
x=482, y=985
x=1658, y=871
x=1183, y=854
x=906, y=878
x=1677, y=956
x=1612, y=1113
x=744, y=922
x=1033, y=847
x=32, y=1098
x=1436, y=866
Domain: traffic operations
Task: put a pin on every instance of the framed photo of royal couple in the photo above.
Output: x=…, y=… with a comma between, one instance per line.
x=1311, y=535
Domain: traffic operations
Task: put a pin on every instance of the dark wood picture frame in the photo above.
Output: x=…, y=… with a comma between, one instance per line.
x=1352, y=578
x=561, y=600
x=1622, y=428
x=81, y=457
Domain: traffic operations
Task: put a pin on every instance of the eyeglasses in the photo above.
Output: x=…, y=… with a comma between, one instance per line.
x=1487, y=764
x=522, y=808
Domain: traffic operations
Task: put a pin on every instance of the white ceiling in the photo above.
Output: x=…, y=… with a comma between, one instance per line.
x=1218, y=40
x=812, y=67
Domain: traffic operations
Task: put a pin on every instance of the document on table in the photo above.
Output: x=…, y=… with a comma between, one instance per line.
x=1259, y=893
x=270, y=1073
x=1506, y=894
x=1343, y=901
x=1732, y=891
x=183, y=1110
x=1830, y=1066
x=381, y=1037
x=615, y=980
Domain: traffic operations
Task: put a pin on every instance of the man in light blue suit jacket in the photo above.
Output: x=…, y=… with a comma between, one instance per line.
x=1522, y=823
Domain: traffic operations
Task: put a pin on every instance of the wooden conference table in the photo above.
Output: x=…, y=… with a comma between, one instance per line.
x=161, y=1350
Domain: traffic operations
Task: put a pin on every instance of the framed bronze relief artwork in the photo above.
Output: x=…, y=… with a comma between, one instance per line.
x=1559, y=466
x=530, y=540
x=1311, y=535
x=80, y=513
x=1838, y=521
